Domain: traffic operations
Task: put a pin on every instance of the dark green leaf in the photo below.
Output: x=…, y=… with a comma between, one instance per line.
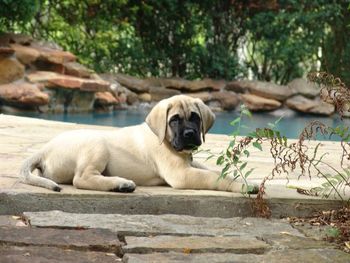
x=257, y=145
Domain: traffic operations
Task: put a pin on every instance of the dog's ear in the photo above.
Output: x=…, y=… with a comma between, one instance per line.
x=157, y=119
x=207, y=117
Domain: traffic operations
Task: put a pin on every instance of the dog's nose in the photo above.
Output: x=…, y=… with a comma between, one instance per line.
x=189, y=133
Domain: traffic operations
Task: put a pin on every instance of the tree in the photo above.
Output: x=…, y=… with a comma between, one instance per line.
x=279, y=40
x=336, y=45
x=284, y=43
x=16, y=11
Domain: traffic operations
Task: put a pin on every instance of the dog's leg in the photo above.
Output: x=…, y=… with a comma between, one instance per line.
x=92, y=179
x=196, y=178
x=196, y=164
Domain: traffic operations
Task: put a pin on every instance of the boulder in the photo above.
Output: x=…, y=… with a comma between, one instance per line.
x=205, y=96
x=6, y=51
x=145, y=97
x=192, y=86
x=263, y=89
x=134, y=84
x=303, y=87
x=159, y=93
x=104, y=99
x=77, y=70
x=13, y=38
x=305, y=105
x=214, y=105
x=26, y=55
x=237, y=86
x=55, y=80
x=131, y=98
x=51, y=55
x=69, y=101
x=10, y=70
x=42, y=65
x=23, y=94
x=124, y=95
x=256, y=103
x=228, y=99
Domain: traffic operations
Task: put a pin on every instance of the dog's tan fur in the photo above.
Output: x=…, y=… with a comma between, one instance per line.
x=140, y=155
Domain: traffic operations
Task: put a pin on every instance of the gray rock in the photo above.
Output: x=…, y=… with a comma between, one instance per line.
x=263, y=89
x=132, y=83
x=77, y=70
x=195, y=244
x=227, y=99
x=145, y=225
x=75, y=239
x=305, y=105
x=285, y=240
x=159, y=93
x=278, y=256
x=257, y=103
x=190, y=85
x=205, y=96
x=303, y=87
x=237, y=86
x=19, y=254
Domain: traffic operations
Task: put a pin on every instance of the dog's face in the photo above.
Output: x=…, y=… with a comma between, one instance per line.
x=182, y=121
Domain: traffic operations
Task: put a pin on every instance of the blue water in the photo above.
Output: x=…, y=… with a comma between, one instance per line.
x=290, y=125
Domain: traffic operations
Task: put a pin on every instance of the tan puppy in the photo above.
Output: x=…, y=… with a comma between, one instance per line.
x=156, y=152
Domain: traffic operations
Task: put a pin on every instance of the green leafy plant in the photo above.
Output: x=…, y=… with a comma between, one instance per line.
x=231, y=158
x=297, y=156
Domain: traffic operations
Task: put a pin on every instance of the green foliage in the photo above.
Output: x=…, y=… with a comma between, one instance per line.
x=223, y=39
x=336, y=51
x=333, y=232
x=233, y=157
x=284, y=44
x=12, y=11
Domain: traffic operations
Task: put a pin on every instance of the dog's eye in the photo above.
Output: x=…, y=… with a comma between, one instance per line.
x=194, y=117
x=174, y=119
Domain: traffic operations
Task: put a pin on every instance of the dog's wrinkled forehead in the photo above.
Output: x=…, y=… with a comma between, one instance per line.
x=183, y=108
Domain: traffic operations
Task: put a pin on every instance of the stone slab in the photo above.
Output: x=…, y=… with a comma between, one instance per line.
x=11, y=221
x=74, y=239
x=195, y=244
x=145, y=225
x=15, y=254
x=279, y=256
x=285, y=240
x=152, y=200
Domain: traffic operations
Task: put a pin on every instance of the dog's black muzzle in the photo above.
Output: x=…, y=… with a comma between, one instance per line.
x=186, y=133
x=188, y=139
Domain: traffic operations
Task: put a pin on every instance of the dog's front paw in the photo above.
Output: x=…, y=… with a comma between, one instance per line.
x=126, y=187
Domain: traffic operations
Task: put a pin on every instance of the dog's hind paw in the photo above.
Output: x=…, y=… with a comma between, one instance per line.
x=125, y=187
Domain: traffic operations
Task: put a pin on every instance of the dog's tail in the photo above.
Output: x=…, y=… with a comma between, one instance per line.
x=27, y=177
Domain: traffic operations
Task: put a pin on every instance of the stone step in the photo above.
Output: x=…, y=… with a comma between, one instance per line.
x=100, y=240
x=180, y=225
x=15, y=254
x=162, y=238
x=277, y=256
x=195, y=244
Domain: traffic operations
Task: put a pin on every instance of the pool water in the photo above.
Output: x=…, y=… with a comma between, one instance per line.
x=290, y=125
